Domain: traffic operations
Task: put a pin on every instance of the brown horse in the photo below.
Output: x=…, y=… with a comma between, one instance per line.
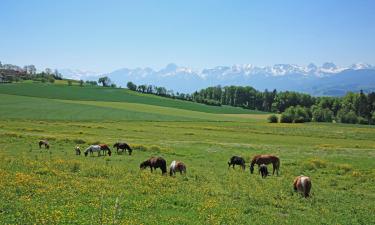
x=123, y=147
x=45, y=143
x=177, y=166
x=302, y=184
x=153, y=163
x=266, y=159
x=105, y=149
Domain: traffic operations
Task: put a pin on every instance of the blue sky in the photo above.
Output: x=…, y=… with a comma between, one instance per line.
x=106, y=35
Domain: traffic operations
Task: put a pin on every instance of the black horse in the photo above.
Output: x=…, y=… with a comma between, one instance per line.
x=236, y=160
x=263, y=170
x=123, y=147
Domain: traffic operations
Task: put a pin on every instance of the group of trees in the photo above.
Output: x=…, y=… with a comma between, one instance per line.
x=293, y=106
x=12, y=73
x=152, y=89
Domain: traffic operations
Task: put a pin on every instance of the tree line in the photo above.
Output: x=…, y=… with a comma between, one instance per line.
x=294, y=107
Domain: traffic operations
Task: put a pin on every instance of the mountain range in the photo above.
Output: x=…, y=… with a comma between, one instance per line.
x=327, y=79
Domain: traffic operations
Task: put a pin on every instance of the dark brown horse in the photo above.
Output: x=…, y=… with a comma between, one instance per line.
x=177, y=166
x=45, y=143
x=153, y=163
x=302, y=184
x=105, y=149
x=236, y=160
x=123, y=147
x=266, y=159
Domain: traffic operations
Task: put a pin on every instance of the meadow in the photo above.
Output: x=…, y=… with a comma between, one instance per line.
x=56, y=186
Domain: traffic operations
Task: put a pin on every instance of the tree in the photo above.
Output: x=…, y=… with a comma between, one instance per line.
x=48, y=71
x=105, y=81
x=81, y=83
x=131, y=86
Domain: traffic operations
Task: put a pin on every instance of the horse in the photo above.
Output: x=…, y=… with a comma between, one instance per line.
x=177, y=166
x=263, y=170
x=123, y=146
x=153, y=163
x=236, y=160
x=302, y=184
x=105, y=149
x=266, y=159
x=92, y=149
x=78, y=150
x=45, y=143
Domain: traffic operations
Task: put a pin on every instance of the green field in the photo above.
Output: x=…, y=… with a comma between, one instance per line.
x=58, y=187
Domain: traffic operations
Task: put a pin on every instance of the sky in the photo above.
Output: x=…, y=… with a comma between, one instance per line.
x=106, y=35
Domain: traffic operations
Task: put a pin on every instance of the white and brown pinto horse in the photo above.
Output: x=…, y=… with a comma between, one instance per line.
x=97, y=148
x=45, y=143
x=266, y=159
x=177, y=166
x=303, y=185
x=78, y=150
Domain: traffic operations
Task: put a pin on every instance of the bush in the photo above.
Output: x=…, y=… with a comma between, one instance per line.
x=362, y=120
x=296, y=114
x=349, y=117
x=272, y=118
x=286, y=118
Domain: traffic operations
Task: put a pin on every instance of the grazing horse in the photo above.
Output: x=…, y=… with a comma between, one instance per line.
x=177, y=166
x=153, y=163
x=45, y=143
x=78, y=150
x=92, y=149
x=302, y=184
x=236, y=160
x=123, y=146
x=266, y=159
x=263, y=170
x=105, y=149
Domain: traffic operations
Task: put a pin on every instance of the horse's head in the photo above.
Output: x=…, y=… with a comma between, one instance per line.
x=86, y=153
x=109, y=152
x=143, y=165
x=115, y=145
x=47, y=146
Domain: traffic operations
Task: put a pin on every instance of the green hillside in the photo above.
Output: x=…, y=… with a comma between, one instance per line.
x=90, y=93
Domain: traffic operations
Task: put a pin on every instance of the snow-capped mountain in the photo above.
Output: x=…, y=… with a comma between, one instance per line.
x=78, y=74
x=327, y=79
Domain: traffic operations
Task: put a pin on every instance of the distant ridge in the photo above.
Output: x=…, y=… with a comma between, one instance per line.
x=327, y=79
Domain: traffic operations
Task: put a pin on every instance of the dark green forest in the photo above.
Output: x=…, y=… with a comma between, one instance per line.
x=294, y=107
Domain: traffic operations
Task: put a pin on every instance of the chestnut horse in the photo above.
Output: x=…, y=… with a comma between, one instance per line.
x=123, y=146
x=177, y=166
x=302, y=184
x=266, y=159
x=45, y=143
x=153, y=163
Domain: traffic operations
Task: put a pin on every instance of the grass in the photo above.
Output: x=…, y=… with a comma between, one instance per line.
x=56, y=186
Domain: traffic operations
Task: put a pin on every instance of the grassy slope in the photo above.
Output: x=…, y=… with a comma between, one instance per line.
x=109, y=94
x=56, y=186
